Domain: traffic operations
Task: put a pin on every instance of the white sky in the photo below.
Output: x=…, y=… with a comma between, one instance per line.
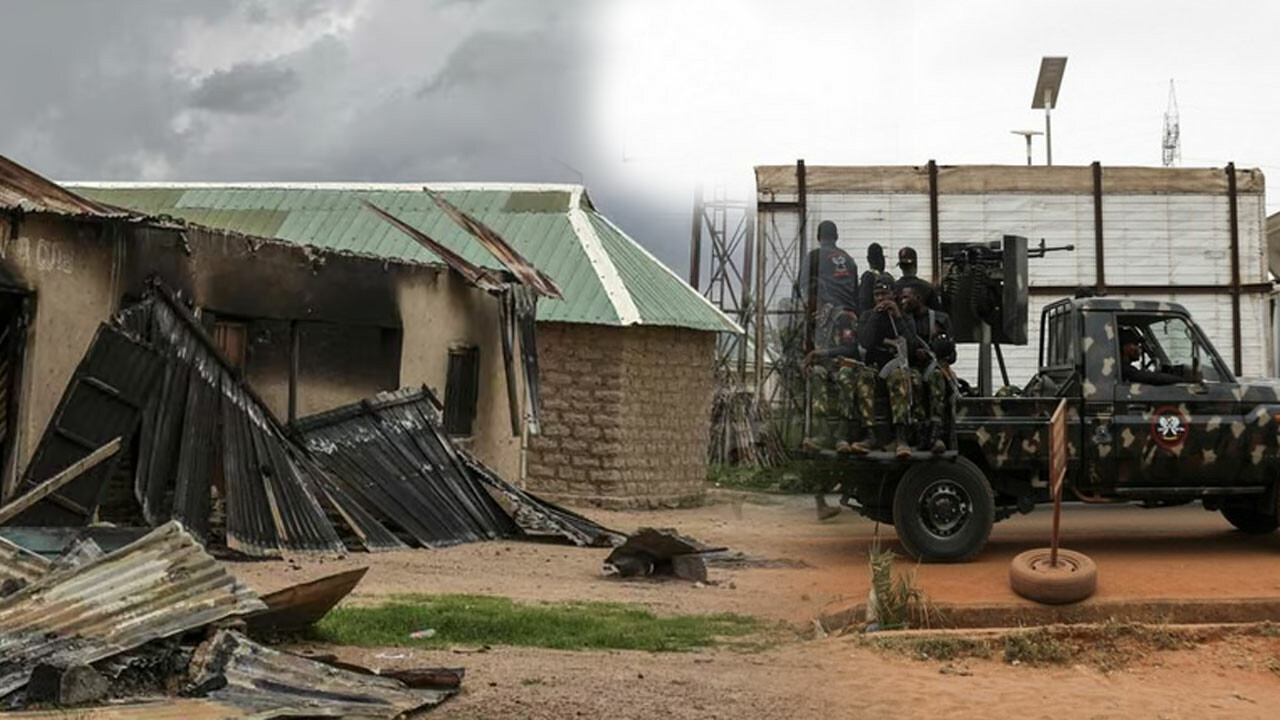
x=710, y=88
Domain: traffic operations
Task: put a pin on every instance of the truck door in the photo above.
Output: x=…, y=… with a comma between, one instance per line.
x=1172, y=434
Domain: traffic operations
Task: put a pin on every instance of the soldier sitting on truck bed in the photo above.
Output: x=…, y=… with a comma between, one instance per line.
x=930, y=326
x=1131, y=369
x=842, y=382
x=886, y=336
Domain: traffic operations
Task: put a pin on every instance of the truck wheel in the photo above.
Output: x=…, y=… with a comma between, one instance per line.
x=1250, y=520
x=943, y=511
x=1074, y=578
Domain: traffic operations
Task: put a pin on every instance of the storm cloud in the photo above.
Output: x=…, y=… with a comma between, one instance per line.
x=245, y=88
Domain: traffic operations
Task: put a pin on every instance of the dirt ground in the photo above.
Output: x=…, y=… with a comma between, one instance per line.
x=804, y=566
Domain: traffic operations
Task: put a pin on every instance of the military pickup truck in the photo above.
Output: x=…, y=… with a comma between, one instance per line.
x=1205, y=435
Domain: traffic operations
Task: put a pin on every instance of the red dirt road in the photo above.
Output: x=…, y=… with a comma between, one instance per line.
x=1173, y=553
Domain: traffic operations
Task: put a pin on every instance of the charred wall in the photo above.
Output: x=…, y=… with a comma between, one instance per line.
x=451, y=312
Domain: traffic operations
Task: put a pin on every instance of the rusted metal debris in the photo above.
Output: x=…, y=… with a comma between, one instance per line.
x=530, y=276
x=391, y=453
x=660, y=552
x=19, y=567
x=482, y=278
x=157, y=587
x=536, y=516
x=302, y=605
x=25, y=191
x=233, y=670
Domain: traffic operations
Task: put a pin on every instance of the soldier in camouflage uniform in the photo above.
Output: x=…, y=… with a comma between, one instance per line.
x=844, y=387
x=879, y=334
x=931, y=359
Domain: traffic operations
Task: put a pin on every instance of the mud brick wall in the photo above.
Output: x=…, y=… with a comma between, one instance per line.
x=626, y=415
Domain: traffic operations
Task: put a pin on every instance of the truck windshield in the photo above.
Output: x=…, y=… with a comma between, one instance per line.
x=1171, y=341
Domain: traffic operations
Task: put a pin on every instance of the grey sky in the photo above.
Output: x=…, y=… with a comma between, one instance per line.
x=642, y=98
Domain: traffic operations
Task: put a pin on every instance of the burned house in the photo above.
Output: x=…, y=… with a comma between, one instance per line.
x=625, y=357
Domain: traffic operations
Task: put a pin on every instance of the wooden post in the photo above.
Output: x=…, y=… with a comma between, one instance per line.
x=294, y=352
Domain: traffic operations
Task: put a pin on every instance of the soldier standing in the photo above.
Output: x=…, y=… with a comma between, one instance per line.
x=931, y=359
x=886, y=336
x=908, y=262
x=829, y=276
x=866, y=284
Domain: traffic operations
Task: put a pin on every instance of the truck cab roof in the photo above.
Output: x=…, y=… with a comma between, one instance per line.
x=1122, y=304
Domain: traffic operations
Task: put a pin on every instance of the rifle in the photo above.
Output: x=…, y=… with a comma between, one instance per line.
x=902, y=360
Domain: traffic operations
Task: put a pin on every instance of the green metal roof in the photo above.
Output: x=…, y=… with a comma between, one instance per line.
x=606, y=277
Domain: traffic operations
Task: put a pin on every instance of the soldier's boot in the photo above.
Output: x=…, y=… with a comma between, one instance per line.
x=863, y=443
x=825, y=511
x=842, y=437
x=901, y=449
x=937, y=445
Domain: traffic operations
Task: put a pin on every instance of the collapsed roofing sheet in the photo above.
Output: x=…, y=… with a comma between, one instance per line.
x=102, y=402
x=271, y=499
x=233, y=670
x=390, y=454
x=162, y=585
x=536, y=516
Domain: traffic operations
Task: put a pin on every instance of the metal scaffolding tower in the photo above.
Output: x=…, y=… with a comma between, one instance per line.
x=729, y=228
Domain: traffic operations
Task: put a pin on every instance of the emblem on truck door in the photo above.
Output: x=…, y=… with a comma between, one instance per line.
x=1169, y=426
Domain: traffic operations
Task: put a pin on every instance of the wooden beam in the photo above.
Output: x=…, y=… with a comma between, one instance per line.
x=57, y=482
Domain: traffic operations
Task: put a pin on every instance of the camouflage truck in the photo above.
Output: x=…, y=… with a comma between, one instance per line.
x=1207, y=436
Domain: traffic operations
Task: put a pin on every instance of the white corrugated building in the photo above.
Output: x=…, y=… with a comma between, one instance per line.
x=1163, y=232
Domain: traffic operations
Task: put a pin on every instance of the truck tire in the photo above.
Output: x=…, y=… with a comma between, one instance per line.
x=943, y=511
x=1073, y=579
x=1250, y=519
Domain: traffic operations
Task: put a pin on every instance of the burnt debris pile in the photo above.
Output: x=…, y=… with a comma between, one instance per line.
x=155, y=397
x=156, y=626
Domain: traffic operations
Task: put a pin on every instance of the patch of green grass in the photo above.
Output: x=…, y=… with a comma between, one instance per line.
x=490, y=620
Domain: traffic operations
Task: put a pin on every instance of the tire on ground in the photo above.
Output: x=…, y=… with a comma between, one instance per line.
x=915, y=532
x=1250, y=519
x=1075, y=577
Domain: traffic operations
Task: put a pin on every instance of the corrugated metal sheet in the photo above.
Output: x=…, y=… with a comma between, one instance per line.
x=159, y=586
x=20, y=564
x=25, y=191
x=233, y=670
x=103, y=401
x=534, y=222
x=390, y=454
x=272, y=502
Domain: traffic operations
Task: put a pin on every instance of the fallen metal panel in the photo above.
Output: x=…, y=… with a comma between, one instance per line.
x=530, y=276
x=233, y=670
x=302, y=605
x=104, y=401
x=271, y=502
x=159, y=586
x=391, y=452
x=536, y=516
x=480, y=277
x=48, y=487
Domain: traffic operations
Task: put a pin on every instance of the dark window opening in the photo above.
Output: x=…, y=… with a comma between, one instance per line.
x=462, y=389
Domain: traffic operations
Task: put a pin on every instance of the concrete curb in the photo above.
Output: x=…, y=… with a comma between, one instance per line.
x=1005, y=615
